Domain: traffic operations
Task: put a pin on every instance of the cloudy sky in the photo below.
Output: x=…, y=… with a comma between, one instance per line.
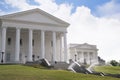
x=92, y=21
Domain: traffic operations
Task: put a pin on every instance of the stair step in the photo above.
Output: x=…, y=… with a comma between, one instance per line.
x=61, y=65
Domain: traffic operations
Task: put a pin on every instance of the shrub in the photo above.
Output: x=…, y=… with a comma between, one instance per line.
x=114, y=63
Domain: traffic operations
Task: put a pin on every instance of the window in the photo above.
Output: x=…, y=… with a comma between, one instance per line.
x=9, y=41
x=8, y=57
x=79, y=54
x=21, y=42
x=91, y=55
x=20, y=56
x=51, y=43
x=33, y=42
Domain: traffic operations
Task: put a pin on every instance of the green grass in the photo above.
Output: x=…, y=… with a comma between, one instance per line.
x=19, y=72
x=108, y=69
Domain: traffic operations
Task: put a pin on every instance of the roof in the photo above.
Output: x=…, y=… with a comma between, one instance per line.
x=83, y=46
x=10, y=16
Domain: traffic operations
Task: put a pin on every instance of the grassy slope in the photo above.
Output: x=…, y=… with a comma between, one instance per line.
x=18, y=72
x=108, y=69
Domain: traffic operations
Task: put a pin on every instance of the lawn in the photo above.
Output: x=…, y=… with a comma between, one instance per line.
x=108, y=69
x=19, y=72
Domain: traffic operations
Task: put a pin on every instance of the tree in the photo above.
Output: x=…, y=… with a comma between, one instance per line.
x=114, y=63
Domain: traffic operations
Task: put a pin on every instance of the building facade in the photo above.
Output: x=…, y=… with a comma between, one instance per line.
x=83, y=53
x=32, y=35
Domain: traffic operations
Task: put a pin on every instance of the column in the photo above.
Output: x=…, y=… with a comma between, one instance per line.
x=30, y=49
x=61, y=48
x=88, y=58
x=82, y=57
x=54, y=46
x=3, y=43
x=75, y=55
x=42, y=44
x=17, y=45
x=95, y=57
x=65, y=47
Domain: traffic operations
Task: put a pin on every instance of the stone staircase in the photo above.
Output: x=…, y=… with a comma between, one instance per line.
x=76, y=67
x=43, y=62
x=52, y=65
x=60, y=65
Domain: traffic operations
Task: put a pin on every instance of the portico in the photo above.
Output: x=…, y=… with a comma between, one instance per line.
x=83, y=53
x=33, y=35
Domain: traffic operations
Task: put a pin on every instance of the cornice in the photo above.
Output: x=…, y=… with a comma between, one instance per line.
x=30, y=22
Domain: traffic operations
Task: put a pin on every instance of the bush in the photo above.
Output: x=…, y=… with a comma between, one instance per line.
x=114, y=63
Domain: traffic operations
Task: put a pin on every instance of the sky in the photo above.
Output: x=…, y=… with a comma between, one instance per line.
x=95, y=22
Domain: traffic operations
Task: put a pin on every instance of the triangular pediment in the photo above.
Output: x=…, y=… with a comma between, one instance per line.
x=86, y=46
x=35, y=15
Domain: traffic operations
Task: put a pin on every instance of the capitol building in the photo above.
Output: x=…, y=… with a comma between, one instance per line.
x=83, y=53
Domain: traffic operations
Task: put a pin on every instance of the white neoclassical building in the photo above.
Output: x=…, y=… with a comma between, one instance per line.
x=83, y=53
x=31, y=35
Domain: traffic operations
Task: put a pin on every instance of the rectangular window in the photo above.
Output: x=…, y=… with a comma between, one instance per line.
x=91, y=55
x=21, y=42
x=9, y=41
x=8, y=57
x=51, y=43
x=33, y=42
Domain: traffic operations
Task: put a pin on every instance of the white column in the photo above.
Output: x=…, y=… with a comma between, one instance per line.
x=88, y=57
x=30, y=49
x=65, y=47
x=82, y=57
x=54, y=46
x=75, y=55
x=42, y=44
x=95, y=57
x=60, y=47
x=3, y=41
x=17, y=45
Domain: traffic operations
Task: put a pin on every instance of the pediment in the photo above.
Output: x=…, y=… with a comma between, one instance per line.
x=35, y=15
x=86, y=46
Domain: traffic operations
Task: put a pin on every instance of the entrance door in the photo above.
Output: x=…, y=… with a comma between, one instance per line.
x=8, y=57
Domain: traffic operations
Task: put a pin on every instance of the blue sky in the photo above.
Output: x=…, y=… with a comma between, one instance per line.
x=92, y=4
x=6, y=7
x=94, y=21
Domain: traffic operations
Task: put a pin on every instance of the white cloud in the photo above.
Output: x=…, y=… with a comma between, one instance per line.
x=63, y=12
x=48, y=5
x=21, y=4
x=103, y=32
x=83, y=24
x=110, y=9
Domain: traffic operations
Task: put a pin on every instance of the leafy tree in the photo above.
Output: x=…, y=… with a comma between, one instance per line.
x=114, y=63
